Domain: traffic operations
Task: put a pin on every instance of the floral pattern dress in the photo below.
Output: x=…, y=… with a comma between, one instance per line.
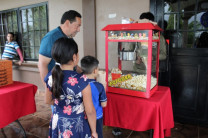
x=68, y=119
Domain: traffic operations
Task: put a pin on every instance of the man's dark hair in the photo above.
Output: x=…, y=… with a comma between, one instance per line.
x=147, y=15
x=88, y=64
x=71, y=16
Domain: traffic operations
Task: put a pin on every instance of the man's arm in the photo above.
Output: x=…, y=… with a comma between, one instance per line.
x=48, y=96
x=43, y=66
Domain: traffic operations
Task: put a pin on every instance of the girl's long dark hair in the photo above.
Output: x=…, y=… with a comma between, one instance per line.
x=62, y=52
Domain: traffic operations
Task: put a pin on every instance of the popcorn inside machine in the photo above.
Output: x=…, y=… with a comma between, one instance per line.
x=132, y=58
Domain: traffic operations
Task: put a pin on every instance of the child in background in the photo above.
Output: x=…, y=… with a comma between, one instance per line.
x=70, y=94
x=11, y=49
x=89, y=66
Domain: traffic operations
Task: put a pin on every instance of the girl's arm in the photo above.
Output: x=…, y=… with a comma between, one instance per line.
x=48, y=96
x=90, y=110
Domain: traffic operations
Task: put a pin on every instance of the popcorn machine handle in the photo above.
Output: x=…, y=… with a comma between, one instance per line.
x=119, y=49
x=135, y=47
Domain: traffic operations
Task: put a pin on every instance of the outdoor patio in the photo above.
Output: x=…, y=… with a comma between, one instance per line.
x=36, y=126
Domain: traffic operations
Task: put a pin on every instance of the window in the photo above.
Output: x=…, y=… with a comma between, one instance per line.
x=8, y=23
x=29, y=24
x=184, y=21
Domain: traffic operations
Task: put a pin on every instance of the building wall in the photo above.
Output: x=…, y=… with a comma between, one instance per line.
x=28, y=72
x=96, y=15
x=57, y=8
x=55, y=11
x=88, y=16
x=10, y=4
x=111, y=12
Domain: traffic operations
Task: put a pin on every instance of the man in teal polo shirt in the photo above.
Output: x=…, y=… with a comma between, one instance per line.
x=70, y=26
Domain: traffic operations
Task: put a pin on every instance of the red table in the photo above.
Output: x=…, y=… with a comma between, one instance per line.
x=141, y=114
x=16, y=100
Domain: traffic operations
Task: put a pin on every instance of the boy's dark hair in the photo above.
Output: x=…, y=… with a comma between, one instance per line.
x=62, y=52
x=71, y=16
x=11, y=33
x=88, y=64
x=147, y=15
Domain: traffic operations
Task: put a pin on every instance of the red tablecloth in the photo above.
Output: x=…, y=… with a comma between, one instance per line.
x=16, y=100
x=141, y=114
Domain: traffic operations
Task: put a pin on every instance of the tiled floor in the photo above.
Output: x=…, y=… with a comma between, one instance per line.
x=36, y=126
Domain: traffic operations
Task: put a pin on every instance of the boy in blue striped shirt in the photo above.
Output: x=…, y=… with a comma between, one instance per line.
x=11, y=49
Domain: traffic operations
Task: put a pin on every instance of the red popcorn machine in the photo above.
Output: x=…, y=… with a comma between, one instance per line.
x=132, y=58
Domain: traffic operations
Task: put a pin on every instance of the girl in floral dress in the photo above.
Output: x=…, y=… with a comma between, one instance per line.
x=74, y=115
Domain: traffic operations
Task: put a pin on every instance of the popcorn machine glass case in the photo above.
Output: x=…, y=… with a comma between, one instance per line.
x=132, y=58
